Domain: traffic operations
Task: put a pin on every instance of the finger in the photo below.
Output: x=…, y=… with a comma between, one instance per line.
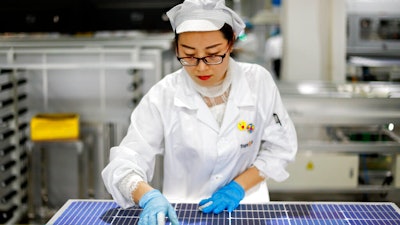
x=204, y=201
x=231, y=207
x=160, y=218
x=219, y=208
x=152, y=219
x=209, y=207
x=143, y=220
x=203, y=206
x=173, y=218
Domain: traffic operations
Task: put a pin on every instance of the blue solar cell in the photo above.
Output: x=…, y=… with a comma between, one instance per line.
x=107, y=212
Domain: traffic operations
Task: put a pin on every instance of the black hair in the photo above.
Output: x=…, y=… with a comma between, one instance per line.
x=226, y=30
x=229, y=35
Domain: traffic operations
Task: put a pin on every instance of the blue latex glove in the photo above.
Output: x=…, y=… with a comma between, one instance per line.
x=155, y=208
x=228, y=197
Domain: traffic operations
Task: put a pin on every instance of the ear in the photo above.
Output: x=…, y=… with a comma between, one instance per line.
x=176, y=40
x=231, y=46
x=232, y=42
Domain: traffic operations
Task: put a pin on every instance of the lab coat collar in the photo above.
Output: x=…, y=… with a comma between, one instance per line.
x=186, y=96
x=240, y=92
x=240, y=96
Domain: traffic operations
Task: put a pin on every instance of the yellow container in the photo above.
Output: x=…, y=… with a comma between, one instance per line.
x=54, y=126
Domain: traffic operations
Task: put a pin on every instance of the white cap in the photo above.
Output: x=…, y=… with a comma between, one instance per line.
x=204, y=15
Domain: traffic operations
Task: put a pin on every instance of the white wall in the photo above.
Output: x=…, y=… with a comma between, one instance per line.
x=314, y=46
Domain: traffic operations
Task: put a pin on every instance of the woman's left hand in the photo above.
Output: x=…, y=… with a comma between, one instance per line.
x=228, y=197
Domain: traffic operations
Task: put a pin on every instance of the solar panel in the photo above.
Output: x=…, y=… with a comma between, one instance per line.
x=103, y=212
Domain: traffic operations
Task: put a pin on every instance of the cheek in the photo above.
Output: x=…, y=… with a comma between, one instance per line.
x=221, y=70
x=190, y=70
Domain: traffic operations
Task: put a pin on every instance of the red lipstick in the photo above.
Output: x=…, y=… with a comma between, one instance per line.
x=204, y=77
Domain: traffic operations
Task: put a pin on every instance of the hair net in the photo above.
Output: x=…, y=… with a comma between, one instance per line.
x=204, y=15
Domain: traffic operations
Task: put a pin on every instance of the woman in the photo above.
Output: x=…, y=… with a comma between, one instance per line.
x=219, y=124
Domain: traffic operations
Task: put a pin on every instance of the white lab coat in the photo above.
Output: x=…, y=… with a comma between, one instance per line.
x=199, y=156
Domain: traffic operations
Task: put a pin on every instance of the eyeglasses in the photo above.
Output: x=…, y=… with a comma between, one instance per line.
x=209, y=60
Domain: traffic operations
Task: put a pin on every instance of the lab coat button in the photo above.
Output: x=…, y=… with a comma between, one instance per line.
x=217, y=177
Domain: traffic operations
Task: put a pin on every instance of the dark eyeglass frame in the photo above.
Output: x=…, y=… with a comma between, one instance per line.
x=204, y=59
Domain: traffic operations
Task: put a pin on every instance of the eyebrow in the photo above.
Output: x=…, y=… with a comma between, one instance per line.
x=208, y=47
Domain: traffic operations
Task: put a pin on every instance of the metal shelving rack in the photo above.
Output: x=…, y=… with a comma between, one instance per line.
x=52, y=66
x=13, y=146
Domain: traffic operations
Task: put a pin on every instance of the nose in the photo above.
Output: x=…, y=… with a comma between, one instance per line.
x=202, y=65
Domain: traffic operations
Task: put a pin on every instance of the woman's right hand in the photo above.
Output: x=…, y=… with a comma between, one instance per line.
x=155, y=208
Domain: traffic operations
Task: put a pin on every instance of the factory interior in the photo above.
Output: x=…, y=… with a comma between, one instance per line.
x=88, y=63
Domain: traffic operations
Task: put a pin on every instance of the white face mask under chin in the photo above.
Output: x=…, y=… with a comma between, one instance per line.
x=219, y=92
x=213, y=101
x=216, y=97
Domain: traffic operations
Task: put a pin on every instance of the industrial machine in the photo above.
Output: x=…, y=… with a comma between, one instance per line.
x=348, y=136
x=373, y=40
